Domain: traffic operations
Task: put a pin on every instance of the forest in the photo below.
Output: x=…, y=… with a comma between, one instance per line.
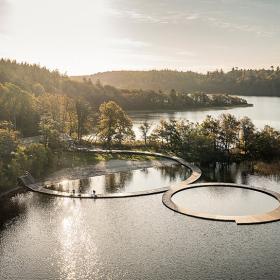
x=61, y=112
x=35, y=82
x=250, y=82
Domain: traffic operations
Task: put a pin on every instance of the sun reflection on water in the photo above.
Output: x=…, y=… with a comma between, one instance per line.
x=76, y=252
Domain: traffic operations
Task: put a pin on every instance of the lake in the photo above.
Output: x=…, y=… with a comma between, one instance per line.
x=44, y=237
x=266, y=110
x=142, y=179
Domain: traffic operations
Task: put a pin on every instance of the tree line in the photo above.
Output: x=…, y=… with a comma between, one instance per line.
x=62, y=120
x=254, y=82
x=25, y=84
x=223, y=139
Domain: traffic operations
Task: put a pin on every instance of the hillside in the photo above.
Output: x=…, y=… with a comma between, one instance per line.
x=263, y=82
x=29, y=92
x=38, y=80
x=147, y=80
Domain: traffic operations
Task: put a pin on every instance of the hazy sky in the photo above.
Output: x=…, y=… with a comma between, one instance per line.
x=88, y=36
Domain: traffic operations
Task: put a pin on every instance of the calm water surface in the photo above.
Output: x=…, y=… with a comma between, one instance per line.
x=126, y=181
x=225, y=201
x=265, y=111
x=43, y=237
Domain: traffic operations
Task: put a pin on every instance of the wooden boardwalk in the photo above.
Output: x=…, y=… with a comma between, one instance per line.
x=246, y=219
x=271, y=216
x=30, y=183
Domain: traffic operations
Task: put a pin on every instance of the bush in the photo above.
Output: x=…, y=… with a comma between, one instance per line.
x=35, y=158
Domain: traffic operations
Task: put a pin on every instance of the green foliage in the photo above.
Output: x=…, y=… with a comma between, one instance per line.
x=114, y=124
x=266, y=144
x=18, y=107
x=34, y=158
x=38, y=80
x=85, y=118
x=15, y=159
x=49, y=129
x=8, y=144
x=26, y=76
x=185, y=139
x=218, y=140
x=228, y=132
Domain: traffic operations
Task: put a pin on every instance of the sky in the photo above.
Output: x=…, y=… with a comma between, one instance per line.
x=87, y=36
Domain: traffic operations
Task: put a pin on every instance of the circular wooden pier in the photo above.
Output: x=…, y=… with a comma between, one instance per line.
x=271, y=216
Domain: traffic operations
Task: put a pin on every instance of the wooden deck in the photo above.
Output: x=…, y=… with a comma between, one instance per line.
x=246, y=219
x=272, y=216
x=29, y=182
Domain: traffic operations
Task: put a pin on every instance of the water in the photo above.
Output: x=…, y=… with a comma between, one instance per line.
x=44, y=237
x=265, y=111
x=126, y=181
x=225, y=201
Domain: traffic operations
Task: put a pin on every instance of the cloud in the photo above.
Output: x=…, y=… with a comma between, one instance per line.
x=134, y=15
x=224, y=17
x=169, y=17
x=129, y=43
x=232, y=26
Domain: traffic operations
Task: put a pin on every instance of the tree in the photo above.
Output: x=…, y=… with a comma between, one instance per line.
x=229, y=129
x=38, y=89
x=18, y=107
x=34, y=158
x=8, y=144
x=144, y=128
x=49, y=129
x=267, y=144
x=247, y=135
x=210, y=128
x=84, y=121
x=114, y=124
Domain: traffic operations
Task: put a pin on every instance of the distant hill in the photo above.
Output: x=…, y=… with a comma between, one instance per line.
x=38, y=80
x=262, y=82
x=147, y=80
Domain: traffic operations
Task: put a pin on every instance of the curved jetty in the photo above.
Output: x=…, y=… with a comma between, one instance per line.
x=28, y=181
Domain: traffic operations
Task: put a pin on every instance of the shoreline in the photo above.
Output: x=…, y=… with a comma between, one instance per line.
x=92, y=170
x=206, y=108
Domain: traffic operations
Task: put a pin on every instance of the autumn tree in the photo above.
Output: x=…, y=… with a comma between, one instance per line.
x=49, y=129
x=114, y=124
